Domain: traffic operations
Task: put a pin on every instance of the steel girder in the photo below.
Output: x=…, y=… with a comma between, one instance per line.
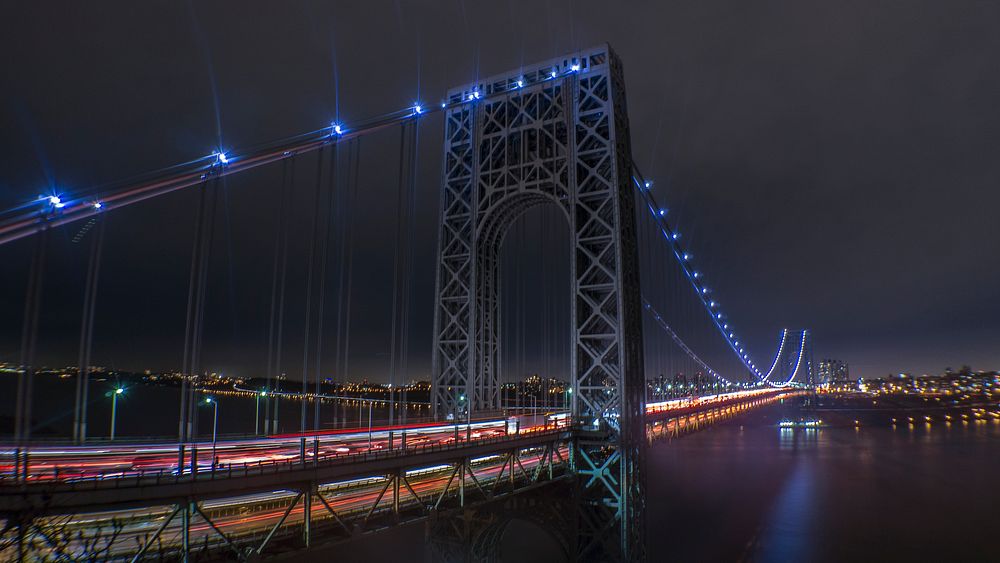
x=555, y=132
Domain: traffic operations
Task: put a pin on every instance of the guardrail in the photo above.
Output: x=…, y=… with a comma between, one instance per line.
x=143, y=478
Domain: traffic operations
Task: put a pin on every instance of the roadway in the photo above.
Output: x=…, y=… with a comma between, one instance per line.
x=106, y=461
x=246, y=519
x=111, y=461
x=360, y=493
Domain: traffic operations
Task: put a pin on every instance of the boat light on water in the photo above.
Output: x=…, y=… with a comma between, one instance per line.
x=800, y=423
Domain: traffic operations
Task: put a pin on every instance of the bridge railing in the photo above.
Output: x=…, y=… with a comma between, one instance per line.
x=212, y=471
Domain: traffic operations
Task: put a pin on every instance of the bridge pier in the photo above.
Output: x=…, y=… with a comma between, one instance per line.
x=307, y=514
x=186, y=531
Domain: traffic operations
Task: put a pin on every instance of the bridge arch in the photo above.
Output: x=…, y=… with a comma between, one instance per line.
x=489, y=246
x=488, y=544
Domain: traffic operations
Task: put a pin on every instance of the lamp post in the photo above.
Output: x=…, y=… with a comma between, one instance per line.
x=215, y=424
x=468, y=417
x=256, y=416
x=114, y=409
x=370, y=402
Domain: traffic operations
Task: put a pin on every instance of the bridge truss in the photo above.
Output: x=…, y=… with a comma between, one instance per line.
x=551, y=133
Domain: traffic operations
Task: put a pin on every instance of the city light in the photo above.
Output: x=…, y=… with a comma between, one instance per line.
x=221, y=158
x=98, y=205
x=417, y=109
x=337, y=129
x=574, y=67
x=520, y=83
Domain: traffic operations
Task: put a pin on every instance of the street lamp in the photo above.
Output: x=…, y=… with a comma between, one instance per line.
x=370, y=403
x=215, y=424
x=256, y=416
x=468, y=418
x=114, y=408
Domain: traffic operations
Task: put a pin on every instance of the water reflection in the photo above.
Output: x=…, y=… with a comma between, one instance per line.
x=787, y=529
x=747, y=490
x=796, y=438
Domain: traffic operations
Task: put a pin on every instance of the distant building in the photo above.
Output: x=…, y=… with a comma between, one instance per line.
x=833, y=371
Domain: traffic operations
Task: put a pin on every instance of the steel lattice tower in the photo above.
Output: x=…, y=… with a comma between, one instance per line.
x=554, y=132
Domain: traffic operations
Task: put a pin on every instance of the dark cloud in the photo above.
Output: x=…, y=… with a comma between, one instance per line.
x=832, y=165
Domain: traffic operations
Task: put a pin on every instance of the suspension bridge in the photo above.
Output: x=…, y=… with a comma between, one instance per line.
x=645, y=330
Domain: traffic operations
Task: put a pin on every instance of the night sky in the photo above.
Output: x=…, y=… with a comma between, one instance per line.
x=832, y=165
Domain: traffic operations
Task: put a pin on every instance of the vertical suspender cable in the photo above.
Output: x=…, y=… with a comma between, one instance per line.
x=29, y=339
x=321, y=306
x=282, y=283
x=309, y=286
x=406, y=256
x=87, y=333
x=343, y=216
x=272, y=328
x=354, y=165
x=182, y=418
x=208, y=237
x=400, y=219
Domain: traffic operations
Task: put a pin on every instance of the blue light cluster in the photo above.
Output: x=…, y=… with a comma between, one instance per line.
x=695, y=277
x=553, y=74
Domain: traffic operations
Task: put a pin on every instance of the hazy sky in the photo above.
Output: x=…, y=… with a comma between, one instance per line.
x=833, y=165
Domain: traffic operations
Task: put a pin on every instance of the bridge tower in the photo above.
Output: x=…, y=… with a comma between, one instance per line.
x=557, y=133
